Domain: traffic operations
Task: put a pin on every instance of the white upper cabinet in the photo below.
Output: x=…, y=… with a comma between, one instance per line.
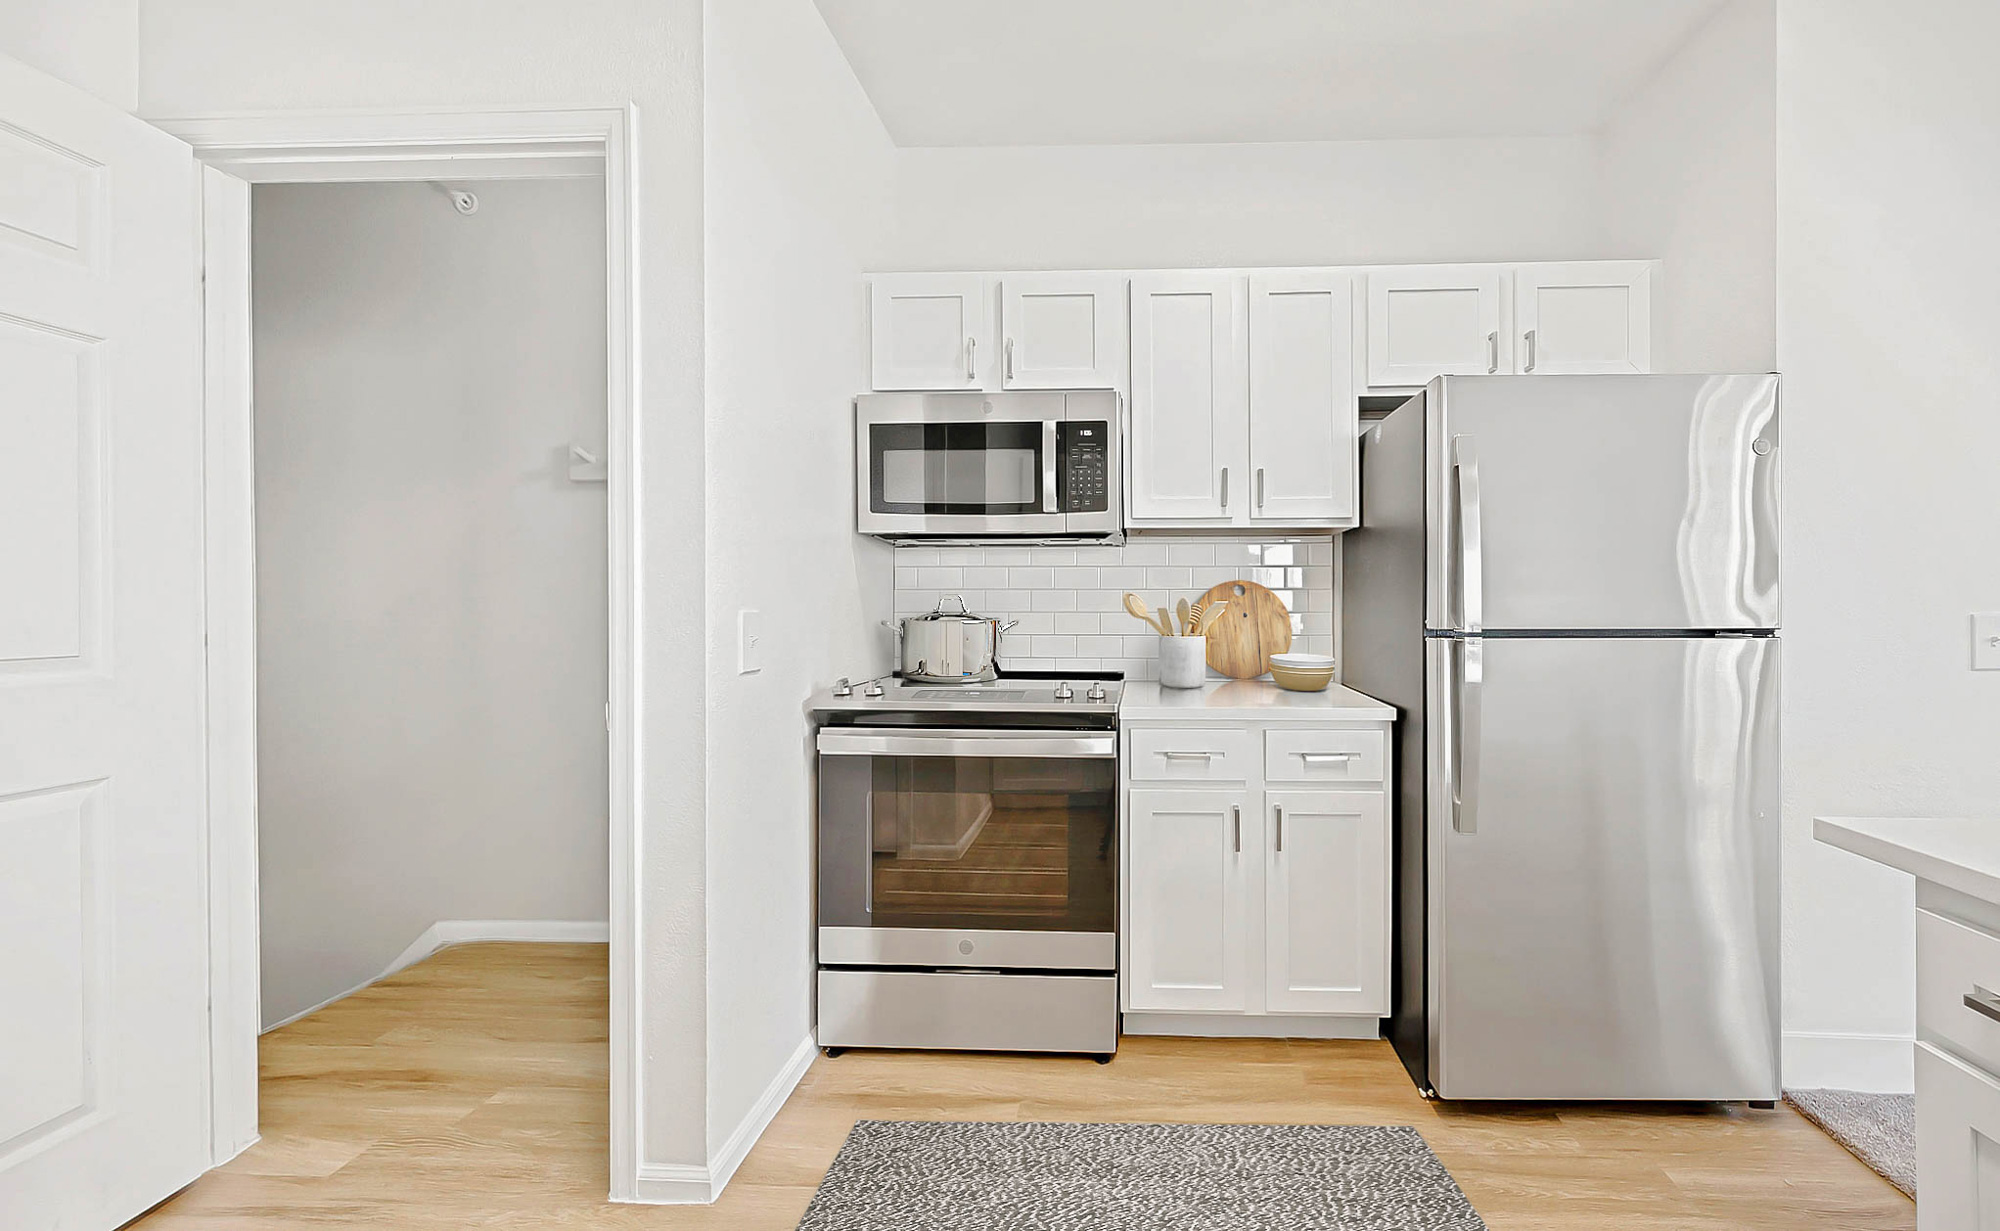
x=1584, y=317
x=929, y=331
x=1188, y=885
x=1302, y=408
x=1188, y=441
x=1434, y=320
x=1326, y=907
x=1062, y=331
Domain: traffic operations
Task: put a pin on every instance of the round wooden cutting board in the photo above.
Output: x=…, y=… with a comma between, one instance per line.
x=1254, y=626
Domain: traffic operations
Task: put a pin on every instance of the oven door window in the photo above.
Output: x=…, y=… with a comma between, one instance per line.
x=1014, y=843
x=955, y=469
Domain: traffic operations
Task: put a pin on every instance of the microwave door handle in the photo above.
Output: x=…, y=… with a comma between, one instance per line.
x=1049, y=502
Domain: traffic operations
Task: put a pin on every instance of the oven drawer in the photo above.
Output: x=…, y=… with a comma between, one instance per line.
x=968, y=1011
x=1167, y=754
x=1958, y=988
x=1323, y=756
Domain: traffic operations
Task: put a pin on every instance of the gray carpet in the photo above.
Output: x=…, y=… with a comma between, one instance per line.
x=1878, y=1129
x=927, y=1176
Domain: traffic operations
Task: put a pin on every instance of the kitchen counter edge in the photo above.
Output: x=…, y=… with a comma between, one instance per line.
x=1958, y=852
x=1257, y=700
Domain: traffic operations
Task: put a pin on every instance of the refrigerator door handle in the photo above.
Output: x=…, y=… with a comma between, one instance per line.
x=1471, y=550
x=1468, y=727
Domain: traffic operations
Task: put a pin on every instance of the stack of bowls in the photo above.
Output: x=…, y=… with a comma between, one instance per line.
x=1302, y=672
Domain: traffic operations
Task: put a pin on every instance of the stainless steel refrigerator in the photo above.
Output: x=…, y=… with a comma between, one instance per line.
x=1568, y=587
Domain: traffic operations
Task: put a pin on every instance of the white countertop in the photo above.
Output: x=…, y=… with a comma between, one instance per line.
x=1958, y=852
x=1259, y=700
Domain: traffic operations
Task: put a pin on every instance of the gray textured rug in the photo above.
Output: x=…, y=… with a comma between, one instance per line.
x=925, y=1176
x=1878, y=1129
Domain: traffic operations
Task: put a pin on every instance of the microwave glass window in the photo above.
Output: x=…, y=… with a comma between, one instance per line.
x=955, y=468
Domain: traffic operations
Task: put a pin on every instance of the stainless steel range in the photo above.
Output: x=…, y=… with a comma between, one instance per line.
x=968, y=864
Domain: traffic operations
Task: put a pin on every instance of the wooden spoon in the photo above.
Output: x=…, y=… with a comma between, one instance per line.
x=1181, y=610
x=1137, y=606
x=1211, y=616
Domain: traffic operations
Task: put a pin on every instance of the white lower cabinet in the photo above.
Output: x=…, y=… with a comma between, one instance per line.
x=1958, y=1144
x=1251, y=910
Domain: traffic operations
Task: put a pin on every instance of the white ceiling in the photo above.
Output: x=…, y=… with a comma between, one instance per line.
x=1082, y=72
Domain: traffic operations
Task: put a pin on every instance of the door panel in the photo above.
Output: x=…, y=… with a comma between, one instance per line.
x=1188, y=435
x=1434, y=320
x=1584, y=317
x=1609, y=927
x=1610, y=502
x=1189, y=884
x=1062, y=331
x=103, y=919
x=1326, y=910
x=1302, y=406
x=928, y=331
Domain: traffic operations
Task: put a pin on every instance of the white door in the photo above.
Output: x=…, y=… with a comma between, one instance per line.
x=1434, y=320
x=1584, y=317
x=103, y=920
x=1302, y=404
x=929, y=331
x=1189, y=856
x=1188, y=443
x=1326, y=905
x=1062, y=331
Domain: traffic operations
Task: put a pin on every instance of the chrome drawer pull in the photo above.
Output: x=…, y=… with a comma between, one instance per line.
x=1188, y=756
x=1983, y=1002
x=1310, y=757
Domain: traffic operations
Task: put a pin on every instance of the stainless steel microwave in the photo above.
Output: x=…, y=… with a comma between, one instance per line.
x=979, y=466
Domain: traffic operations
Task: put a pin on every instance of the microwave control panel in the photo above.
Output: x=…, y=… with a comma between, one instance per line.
x=1083, y=466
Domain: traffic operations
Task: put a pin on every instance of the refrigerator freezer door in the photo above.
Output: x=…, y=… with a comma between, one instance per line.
x=1609, y=929
x=1604, y=502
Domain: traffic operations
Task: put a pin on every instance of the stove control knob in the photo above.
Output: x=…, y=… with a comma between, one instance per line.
x=841, y=688
x=1063, y=691
x=874, y=689
x=1096, y=693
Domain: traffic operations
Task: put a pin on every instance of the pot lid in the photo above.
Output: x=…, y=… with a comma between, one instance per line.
x=961, y=615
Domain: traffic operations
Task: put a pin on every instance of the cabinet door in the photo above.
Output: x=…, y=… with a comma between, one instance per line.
x=1188, y=441
x=1434, y=320
x=1189, y=856
x=1302, y=406
x=928, y=331
x=1062, y=331
x=1584, y=317
x=1958, y=1144
x=1326, y=903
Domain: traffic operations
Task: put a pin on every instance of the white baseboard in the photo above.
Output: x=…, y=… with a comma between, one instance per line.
x=681, y=1184
x=447, y=932
x=1879, y=1063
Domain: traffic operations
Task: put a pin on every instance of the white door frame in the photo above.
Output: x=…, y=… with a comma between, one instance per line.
x=385, y=146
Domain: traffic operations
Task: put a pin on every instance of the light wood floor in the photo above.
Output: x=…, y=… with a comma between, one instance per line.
x=469, y=1091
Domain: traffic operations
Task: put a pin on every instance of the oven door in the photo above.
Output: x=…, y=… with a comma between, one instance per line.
x=955, y=848
x=958, y=464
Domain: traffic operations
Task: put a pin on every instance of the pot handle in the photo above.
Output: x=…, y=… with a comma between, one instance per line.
x=1007, y=624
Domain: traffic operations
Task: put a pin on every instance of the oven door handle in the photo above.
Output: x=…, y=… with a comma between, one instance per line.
x=853, y=741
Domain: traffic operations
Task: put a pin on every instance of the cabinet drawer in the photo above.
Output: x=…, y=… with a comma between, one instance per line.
x=1954, y=961
x=1323, y=756
x=1958, y=1144
x=1191, y=755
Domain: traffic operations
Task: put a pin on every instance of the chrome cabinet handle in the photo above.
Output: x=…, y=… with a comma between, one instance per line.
x=1260, y=487
x=1010, y=358
x=1191, y=756
x=1493, y=352
x=1529, y=338
x=1278, y=810
x=971, y=358
x=1983, y=1002
x=1236, y=823
x=1225, y=489
x=1310, y=757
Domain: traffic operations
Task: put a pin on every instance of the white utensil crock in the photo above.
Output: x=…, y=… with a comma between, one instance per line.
x=1183, y=662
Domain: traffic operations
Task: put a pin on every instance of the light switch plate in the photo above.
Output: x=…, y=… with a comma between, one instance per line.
x=749, y=642
x=1986, y=641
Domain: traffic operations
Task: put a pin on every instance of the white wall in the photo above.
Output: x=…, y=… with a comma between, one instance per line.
x=1690, y=176
x=797, y=185
x=1152, y=206
x=205, y=57
x=91, y=44
x=1888, y=170
x=430, y=584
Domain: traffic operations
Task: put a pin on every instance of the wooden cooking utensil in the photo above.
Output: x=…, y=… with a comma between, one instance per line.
x=1255, y=626
x=1166, y=623
x=1137, y=606
x=1211, y=615
x=1181, y=610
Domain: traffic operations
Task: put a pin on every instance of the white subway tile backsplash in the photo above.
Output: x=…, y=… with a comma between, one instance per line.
x=1069, y=601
